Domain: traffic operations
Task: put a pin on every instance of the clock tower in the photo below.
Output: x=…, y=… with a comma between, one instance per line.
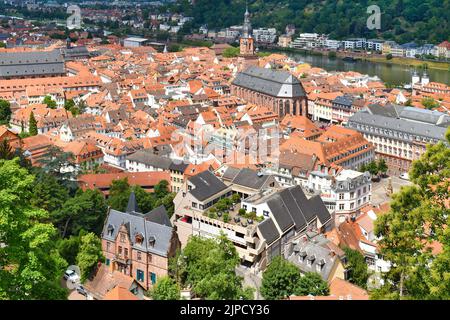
x=247, y=43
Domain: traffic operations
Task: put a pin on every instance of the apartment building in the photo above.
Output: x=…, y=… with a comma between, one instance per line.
x=278, y=215
x=344, y=192
x=400, y=134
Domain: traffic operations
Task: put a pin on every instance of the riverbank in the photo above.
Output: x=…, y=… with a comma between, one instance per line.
x=409, y=62
x=415, y=63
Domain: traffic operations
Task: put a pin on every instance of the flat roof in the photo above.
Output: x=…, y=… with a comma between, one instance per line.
x=135, y=39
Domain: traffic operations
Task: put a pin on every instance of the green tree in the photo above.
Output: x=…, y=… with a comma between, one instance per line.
x=231, y=52
x=48, y=193
x=69, y=247
x=358, y=270
x=5, y=111
x=418, y=217
x=119, y=194
x=280, y=279
x=372, y=168
x=56, y=162
x=6, y=152
x=90, y=253
x=389, y=56
x=208, y=265
x=382, y=166
x=69, y=104
x=30, y=264
x=166, y=289
x=85, y=211
x=311, y=283
x=49, y=102
x=32, y=125
x=430, y=103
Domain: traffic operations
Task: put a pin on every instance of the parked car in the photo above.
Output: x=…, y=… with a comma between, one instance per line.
x=81, y=290
x=404, y=176
x=71, y=275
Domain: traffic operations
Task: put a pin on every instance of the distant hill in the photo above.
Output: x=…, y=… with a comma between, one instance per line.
x=402, y=20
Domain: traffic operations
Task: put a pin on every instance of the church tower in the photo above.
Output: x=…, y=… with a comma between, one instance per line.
x=247, y=43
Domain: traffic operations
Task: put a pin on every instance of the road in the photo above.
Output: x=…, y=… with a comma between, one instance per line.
x=250, y=280
x=379, y=189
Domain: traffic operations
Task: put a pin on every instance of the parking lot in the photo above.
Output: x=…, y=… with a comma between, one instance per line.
x=380, y=189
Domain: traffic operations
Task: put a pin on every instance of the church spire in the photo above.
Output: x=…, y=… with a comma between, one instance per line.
x=247, y=23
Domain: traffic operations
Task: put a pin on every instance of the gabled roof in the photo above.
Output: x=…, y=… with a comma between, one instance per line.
x=270, y=82
x=290, y=207
x=250, y=178
x=148, y=226
x=206, y=185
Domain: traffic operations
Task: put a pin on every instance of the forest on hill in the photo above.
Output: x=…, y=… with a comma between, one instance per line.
x=423, y=21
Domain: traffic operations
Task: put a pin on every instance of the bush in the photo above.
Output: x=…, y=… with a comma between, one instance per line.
x=242, y=212
x=226, y=217
x=389, y=57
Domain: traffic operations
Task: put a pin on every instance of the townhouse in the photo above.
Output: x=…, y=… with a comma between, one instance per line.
x=139, y=245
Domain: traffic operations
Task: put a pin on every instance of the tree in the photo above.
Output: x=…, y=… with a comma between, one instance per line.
x=358, y=270
x=389, y=56
x=32, y=125
x=5, y=111
x=372, y=168
x=49, y=102
x=382, y=166
x=311, y=283
x=69, y=104
x=419, y=217
x=30, y=264
x=430, y=103
x=280, y=279
x=69, y=247
x=208, y=265
x=6, y=152
x=48, y=193
x=165, y=289
x=58, y=163
x=231, y=52
x=89, y=255
x=119, y=194
x=85, y=211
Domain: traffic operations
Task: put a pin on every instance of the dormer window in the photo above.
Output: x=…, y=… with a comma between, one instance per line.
x=310, y=260
x=139, y=238
x=151, y=241
x=320, y=265
x=303, y=255
x=110, y=230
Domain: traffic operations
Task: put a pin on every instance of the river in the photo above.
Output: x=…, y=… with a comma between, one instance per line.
x=391, y=74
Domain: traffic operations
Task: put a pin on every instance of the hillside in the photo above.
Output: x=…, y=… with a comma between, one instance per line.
x=402, y=20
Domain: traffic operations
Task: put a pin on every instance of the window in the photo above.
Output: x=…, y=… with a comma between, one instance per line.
x=120, y=250
x=254, y=210
x=107, y=262
x=194, y=204
x=150, y=258
x=140, y=275
x=341, y=196
x=153, y=277
x=341, y=206
x=108, y=246
x=139, y=256
x=122, y=237
x=266, y=213
x=126, y=253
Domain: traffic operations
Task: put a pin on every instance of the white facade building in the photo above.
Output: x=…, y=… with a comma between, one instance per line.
x=344, y=192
